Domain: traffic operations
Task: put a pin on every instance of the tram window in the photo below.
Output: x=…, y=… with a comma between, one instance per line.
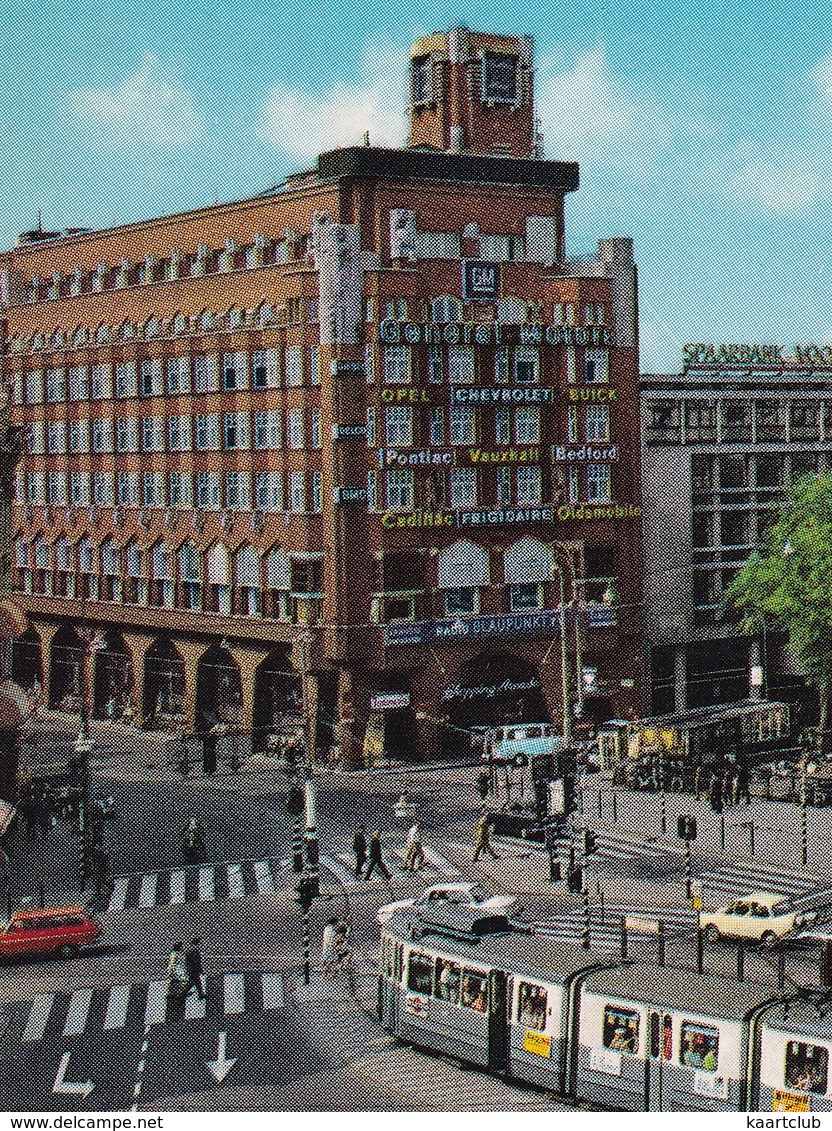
x=620, y=1029
x=699, y=1046
x=419, y=972
x=807, y=1067
x=531, y=1006
x=448, y=978
x=473, y=991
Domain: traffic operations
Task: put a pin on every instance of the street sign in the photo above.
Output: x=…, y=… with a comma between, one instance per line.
x=642, y=925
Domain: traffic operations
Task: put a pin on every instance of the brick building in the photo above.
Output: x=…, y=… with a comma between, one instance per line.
x=365, y=443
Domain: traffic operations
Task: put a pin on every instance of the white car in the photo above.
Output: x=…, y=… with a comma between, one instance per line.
x=465, y=894
x=762, y=917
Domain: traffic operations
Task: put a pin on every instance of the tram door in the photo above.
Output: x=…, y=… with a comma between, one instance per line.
x=497, y=1021
x=660, y=1049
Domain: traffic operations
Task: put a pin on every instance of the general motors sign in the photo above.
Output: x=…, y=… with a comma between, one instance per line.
x=480, y=280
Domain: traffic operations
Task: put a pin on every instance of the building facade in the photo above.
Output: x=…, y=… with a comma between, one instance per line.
x=723, y=442
x=365, y=445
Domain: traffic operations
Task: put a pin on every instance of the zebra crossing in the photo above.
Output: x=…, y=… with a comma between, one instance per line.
x=196, y=884
x=740, y=879
x=436, y=868
x=91, y=1011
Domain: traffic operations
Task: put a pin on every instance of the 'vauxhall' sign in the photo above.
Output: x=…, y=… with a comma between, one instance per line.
x=480, y=280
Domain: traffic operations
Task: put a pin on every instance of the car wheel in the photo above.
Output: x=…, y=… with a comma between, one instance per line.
x=712, y=934
x=769, y=939
x=68, y=951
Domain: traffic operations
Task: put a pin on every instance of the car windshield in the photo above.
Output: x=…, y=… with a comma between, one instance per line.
x=478, y=895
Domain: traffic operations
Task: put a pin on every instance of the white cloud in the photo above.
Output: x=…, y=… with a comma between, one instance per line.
x=304, y=124
x=786, y=184
x=148, y=107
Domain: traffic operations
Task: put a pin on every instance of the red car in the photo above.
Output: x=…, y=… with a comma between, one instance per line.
x=48, y=930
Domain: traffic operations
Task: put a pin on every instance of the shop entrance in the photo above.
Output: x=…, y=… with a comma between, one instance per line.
x=490, y=691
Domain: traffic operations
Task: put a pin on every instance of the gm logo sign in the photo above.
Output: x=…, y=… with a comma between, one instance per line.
x=480, y=280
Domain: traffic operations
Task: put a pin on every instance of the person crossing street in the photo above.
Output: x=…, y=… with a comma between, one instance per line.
x=414, y=857
x=359, y=847
x=374, y=858
x=192, y=959
x=483, y=839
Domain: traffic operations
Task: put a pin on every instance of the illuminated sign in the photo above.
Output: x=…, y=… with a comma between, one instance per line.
x=508, y=624
x=508, y=516
x=425, y=457
x=585, y=454
x=351, y=495
x=480, y=280
x=466, y=394
x=702, y=353
x=346, y=366
x=393, y=520
x=390, y=701
x=404, y=396
x=489, y=691
x=491, y=334
x=349, y=431
x=594, y=396
x=502, y=455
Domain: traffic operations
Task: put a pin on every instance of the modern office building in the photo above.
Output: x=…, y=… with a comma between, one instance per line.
x=722, y=443
x=366, y=443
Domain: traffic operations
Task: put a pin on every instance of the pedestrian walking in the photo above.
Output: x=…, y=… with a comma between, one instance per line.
x=177, y=973
x=359, y=847
x=374, y=859
x=483, y=841
x=414, y=856
x=193, y=969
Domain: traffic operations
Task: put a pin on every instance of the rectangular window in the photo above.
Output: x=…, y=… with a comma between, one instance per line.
x=474, y=993
x=206, y=432
x=461, y=602
x=501, y=365
x=526, y=366
x=268, y=488
x=153, y=489
x=526, y=596
x=371, y=427
x=179, y=433
x=234, y=371
x=369, y=364
x=297, y=492
x=79, y=489
x=264, y=369
x=235, y=431
x=102, y=488
x=398, y=426
x=462, y=420
x=102, y=435
x=397, y=365
x=317, y=495
x=56, y=386
x=102, y=382
x=295, y=428
x=178, y=375
x=37, y=487
x=267, y=430
x=127, y=435
x=372, y=490
x=79, y=383
x=399, y=490
x=531, y=1006
x=620, y=1029
x=152, y=435
x=598, y=483
x=699, y=1046
x=527, y=424
x=500, y=77
x=435, y=369
x=448, y=975
x=461, y=365
x=34, y=386
x=293, y=368
x=179, y=490
x=420, y=973
x=237, y=490
x=807, y=1067
x=57, y=488
x=597, y=423
x=208, y=490
x=206, y=374
x=572, y=425
x=36, y=438
x=314, y=366
x=596, y=367
x=79, y=436
x=315, y=428
x=126, y=379
x=56, y=436
x=436, y=426
x=463, y=487
x=529, y=486
x=503, y=486
x=502, y=425
x=150, y=377
x=127, y=485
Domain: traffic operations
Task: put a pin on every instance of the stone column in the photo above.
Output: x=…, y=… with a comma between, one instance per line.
x=138, y=646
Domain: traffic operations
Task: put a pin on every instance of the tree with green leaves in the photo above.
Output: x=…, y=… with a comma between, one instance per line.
x=791, y=582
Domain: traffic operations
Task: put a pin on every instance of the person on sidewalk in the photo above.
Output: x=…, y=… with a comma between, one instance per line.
x=374, y=859
x=483, y=842
x=414, y=857
x=193, y=969
x=359, y=847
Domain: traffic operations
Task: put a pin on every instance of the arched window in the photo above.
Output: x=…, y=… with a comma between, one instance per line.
x=446, y=309
x=180, y=323
x=126, y=331
x=236, y=317
x=161, y=588
x=43, y=576
x=62, y=554
x=133, y=560
x=190, y=573
x=81, y=335
x=512, y=311
x=103, y=333
x=219, y=587
x=21, y=549
x=110, y=563
x=58, y=339
x=152, y=327
x=278, y=583
x=37, y=342
x=463, y=568
x=86, y=556
x=41, y=553
x=160, y=557
x=265, y=314
x=528, y=560
x=207, y=320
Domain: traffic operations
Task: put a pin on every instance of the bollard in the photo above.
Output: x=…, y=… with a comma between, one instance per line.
x=623, y=936
x=660, y=941
x=700, y=951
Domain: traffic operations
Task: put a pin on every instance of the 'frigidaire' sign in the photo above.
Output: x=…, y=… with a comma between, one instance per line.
x=491, y=334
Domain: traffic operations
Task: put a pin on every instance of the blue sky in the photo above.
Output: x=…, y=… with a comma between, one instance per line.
x=703, y=130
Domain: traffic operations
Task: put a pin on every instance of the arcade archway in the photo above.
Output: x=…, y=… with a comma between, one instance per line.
x=27, y=659
x=219, y=697
x=112, y=684
x=65, y=676
x=164, y=685
x=278, y=694
x=489, y=691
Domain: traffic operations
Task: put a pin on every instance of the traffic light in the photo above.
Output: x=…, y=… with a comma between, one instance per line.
x=686, y=828
x=296, y=801
x=589, y=843
x=575, y=880
x=715, y=799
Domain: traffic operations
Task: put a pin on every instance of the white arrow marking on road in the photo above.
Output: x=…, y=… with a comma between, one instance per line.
x=222, y=1065
x=66, y=1087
